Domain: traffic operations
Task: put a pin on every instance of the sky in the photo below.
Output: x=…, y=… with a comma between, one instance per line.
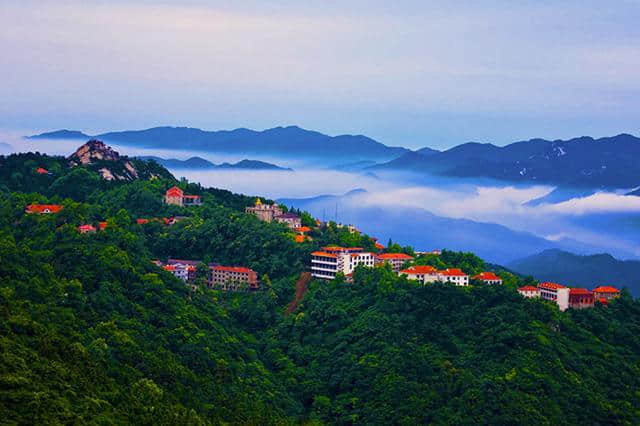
x=409, y=73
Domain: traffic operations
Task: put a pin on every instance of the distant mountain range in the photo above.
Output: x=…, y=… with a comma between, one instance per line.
x=201, y=163
x=580, y=271
x=5, y=148
x=290, y=141
x=581, y=162
x=426, y=231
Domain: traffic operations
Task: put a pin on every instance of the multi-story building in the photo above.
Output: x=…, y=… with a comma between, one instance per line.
x=421, y=273
x=556, y=293
x=292, y=220
x=529, y=291
x=488, y=278
x=331, y=260
x=453, y=276
x=43, y=208
x=183, y=272
x=232, y=278
x=605, y=293
x=265, y=212
x=580, y=298
x=396, y=260
x=176, y=196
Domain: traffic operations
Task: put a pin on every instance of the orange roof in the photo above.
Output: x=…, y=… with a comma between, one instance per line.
x=487, y=276
x=302, y=229
x=419, y=269
x=333, y=248
x=323, y=254
x=379, y=246
x=551, y=286
x=606, y=289
x=174, y=191
x=576, y=291
x=452, y=272
x=299, y=238
x=603, y=300
x=528, y=288
x=44, y=208
x=394, y=256
x=232, y=269
x=42, y=171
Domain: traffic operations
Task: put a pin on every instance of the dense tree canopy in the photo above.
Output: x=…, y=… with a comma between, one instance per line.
x=91, y=331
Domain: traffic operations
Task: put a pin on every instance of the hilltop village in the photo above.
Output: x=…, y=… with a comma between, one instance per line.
x=330, y=262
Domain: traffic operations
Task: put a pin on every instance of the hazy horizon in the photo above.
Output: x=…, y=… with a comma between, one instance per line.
x=412, y=74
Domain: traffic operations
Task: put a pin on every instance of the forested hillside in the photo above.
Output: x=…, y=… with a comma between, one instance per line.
x=91, y=331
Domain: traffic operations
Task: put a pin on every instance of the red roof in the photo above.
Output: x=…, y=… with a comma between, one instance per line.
x=603, y=301
x=579, y=291
x=142, y=221
x=419, y=269
x=394, y=256
x=42, y=171
x=487, y=276
x=323, y=254
x=453, y=272
x=606, y=289
x=102, y=225
x=299, y=239
x=191, y=196
x=333, y=248
x=232, y=269
x=174, y=191
x=43, y=208
x=303, y=229
x=169, y=267
x=551, y=286
x=529, y=288
x=379, y=246
x=86, y=228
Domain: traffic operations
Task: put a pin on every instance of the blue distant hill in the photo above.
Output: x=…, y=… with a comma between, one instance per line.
x=290, y=141
x=201, y=163
x=582, y=162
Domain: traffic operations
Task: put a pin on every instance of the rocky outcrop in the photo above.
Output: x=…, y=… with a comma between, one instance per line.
x=105, y=160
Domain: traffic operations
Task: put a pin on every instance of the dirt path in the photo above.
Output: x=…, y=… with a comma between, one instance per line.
x=301, y=289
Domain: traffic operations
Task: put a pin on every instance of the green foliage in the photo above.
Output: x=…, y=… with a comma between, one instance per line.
x=92, y=332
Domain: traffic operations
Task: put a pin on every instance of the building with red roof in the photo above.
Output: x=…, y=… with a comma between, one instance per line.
x=487, y=278
x=580, y=298
x=396, y=260
x=42, y=171
x=84, y=229
x=454, y=275
x=529, y=291
x=422, y=273
x=302, y=229
x=43, y=208
x=102, y=225
x=606, y=292
x=176, y=196
x=556, y=293
x=232, y=278
x=327, y=262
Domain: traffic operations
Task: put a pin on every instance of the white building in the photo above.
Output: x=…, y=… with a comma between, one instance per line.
x=529, y=291
x=488, y=278
x=331, y=260
x=556, y=293
x=429, y=274
x=396, y=260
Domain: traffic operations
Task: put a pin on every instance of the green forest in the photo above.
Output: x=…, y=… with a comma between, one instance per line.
x=92, y=332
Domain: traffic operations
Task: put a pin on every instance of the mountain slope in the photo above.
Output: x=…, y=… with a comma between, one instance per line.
x=289, y=141
x=580, y=271
x=201, y=163
x=61, y=134
x=581, y=162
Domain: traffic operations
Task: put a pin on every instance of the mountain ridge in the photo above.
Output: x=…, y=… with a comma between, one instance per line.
x=201, y=163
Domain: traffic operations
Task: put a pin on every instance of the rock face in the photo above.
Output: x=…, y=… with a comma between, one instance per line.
x=91, y=151
x=111, y=165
